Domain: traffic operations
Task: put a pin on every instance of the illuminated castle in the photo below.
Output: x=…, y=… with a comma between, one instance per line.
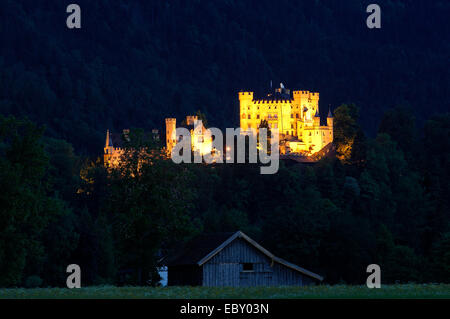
x=296, y=117
x=201, y=139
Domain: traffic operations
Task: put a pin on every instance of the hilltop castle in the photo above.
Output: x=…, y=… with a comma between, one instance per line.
x=296, y=117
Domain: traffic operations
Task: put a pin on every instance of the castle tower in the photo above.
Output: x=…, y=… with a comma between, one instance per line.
x=330, y=118
x=245, y=109
x=301, y=100
x=108, y=149
x=296, y=97
x=314, y=96
x=171, y=126
x=330, y=123
x=317, y=118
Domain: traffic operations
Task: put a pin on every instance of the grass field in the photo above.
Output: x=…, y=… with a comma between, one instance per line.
x=338, y=291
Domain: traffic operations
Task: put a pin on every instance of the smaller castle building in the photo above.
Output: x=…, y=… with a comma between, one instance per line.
x=112, y=154
x=115, y=146
x=201, y=139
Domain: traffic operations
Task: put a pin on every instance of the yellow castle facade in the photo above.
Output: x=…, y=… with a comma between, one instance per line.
x=295, y=116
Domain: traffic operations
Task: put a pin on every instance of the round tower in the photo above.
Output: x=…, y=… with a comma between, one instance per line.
x=330, y=118
x=316, y=118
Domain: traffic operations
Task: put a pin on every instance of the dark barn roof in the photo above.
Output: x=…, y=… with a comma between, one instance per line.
x=201, y=249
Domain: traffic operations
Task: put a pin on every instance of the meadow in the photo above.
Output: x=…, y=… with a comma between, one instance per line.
x=405, y=291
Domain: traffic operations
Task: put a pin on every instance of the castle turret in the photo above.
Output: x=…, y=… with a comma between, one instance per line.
x=317, y=118
x=108, y=149
x=330, y=118
x=245, y=96
x=108, y=140
x=314, y=96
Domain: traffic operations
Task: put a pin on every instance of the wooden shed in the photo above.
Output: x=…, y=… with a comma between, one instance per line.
x=233, y=259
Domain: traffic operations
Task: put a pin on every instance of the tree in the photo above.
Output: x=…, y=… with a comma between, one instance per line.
x=148, y=208
x=399, y=123
x=28, y=212
x=345, y=128
x=202, y=117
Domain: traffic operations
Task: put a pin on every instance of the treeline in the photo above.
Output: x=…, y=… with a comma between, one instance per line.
x=382, y=200
x=135, y=62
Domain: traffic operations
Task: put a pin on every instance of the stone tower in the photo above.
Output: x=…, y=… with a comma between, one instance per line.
x=171, y=126
x=108, y=149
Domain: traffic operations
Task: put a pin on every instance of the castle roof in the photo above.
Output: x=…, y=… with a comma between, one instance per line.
x=109, y=142
x=278, y=96
x=329, y=112
x=275, y=98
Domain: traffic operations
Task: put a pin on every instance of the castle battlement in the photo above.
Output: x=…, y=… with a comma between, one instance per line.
x=248, y=96
x=274, y=101
x=301, y=93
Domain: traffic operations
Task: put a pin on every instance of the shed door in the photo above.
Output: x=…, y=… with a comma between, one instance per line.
x=228, y=274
